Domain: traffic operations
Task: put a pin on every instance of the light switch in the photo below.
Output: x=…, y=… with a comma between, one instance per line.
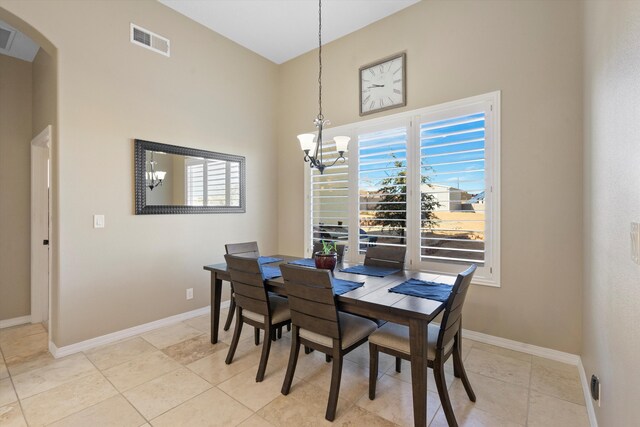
x=635, y=242
x=98, y=221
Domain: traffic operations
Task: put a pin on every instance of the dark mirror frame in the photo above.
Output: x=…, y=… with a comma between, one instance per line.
x=140, y=160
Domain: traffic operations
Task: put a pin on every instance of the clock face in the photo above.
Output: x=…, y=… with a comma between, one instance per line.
x=383, y=85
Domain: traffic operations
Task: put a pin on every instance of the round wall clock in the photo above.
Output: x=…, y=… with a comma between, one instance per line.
x=383, y=84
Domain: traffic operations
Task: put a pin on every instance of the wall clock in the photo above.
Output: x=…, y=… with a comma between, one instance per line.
x=383, y=84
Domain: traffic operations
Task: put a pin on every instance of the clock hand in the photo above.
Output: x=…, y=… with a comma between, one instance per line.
x=375, y=86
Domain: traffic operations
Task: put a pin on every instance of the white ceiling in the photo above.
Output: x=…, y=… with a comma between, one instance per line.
x=280, y=30
x=22, y=47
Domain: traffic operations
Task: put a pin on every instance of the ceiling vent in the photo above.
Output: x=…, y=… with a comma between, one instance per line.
x=6, y=38
x=149, y=40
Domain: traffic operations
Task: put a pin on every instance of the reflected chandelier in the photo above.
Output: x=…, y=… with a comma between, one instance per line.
x=154, y=177
x=313, y=150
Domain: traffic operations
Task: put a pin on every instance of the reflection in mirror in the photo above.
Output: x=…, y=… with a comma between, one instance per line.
x=183, y=180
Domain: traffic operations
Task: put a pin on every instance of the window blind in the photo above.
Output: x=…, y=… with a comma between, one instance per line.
x=382, y=188
x=330, y=199
x=453, y=188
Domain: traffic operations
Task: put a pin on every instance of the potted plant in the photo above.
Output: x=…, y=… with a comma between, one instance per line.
x=327, y=258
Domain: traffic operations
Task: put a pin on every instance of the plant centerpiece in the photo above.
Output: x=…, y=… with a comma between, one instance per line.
x=327, y=258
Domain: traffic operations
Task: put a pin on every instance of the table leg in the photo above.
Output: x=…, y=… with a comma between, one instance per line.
x=418, y=346
x=216, y=294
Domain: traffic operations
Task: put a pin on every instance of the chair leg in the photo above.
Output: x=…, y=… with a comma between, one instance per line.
x=236, y=337
x=307, y=350
x=438, y=373
x=327, y=358
x=398, y=365
x=279, y=334
x=293, y=360
x=232, y=309
x=336, y=374
x=373, y=370
x=288, y=327
x=457, y=361
x=256, y=336
x=264, y=358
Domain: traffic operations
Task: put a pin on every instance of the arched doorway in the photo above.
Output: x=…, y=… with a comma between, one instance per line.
x=30, y=296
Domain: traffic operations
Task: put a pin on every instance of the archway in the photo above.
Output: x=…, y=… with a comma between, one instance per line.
x=43, y=115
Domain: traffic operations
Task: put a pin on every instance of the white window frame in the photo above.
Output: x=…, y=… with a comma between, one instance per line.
x=489, y=103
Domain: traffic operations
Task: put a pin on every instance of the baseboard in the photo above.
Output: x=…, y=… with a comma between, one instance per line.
x=127, y=333
x=560, y=356
x=7, y=323
x=593, y=421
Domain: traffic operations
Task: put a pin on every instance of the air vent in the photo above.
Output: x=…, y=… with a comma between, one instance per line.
x=149, y=40
x=6, y=38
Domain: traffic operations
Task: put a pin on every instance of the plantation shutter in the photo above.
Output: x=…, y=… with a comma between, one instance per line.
x=195, y=183
x=217, y=177
x=329, y=199
x=382, y=188
x=453, y=185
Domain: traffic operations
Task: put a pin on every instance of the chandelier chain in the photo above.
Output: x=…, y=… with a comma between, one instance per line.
x=320, y=116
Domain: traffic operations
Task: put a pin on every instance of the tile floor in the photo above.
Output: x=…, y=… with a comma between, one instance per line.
x=174, y=377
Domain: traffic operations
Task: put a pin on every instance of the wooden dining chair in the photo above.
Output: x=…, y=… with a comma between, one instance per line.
x=317, y=324
x=385, y=256
x=249, y=250
x=254, y=306
x=442, y=342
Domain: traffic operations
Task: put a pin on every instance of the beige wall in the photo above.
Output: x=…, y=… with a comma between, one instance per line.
x=210, y=94
x=15, y=190
x=611, y=335
x=529, y=50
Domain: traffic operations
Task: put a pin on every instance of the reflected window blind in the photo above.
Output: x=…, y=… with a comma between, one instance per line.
x=330, y=199
x=452, y=170
x=195, y=183
x=382, y=188
x=221, y=186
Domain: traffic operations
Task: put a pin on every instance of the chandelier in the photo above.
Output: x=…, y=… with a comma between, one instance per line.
x=313, y=149
x=154, y=177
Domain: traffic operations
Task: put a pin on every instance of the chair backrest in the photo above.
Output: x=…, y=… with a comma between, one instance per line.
x=311, y=300
x=453, y=309
x=247, y=250
x=248, y=284
x=385, y=256
x=317, y=247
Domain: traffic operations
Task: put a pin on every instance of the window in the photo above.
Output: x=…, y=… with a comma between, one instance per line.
x=425, y=179
x=329, y=205
x=452, y=188
x=382, y=188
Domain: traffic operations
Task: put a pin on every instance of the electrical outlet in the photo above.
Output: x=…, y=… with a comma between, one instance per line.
x=190, y=293
x=635, y=242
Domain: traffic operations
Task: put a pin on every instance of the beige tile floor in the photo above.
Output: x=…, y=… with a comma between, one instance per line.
x=174, y=377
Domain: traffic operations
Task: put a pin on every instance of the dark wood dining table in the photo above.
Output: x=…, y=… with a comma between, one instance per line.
x=372, y=300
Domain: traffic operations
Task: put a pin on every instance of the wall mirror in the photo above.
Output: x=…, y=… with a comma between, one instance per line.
x=179, y=180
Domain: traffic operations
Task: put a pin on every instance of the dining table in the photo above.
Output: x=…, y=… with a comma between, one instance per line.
x=372, y=300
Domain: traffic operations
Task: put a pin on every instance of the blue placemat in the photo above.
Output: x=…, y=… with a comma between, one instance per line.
x=369, y=270
x=269, y=272
x=268, y=259
x=343, y=286
x=306, y=262
x=422, y=289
